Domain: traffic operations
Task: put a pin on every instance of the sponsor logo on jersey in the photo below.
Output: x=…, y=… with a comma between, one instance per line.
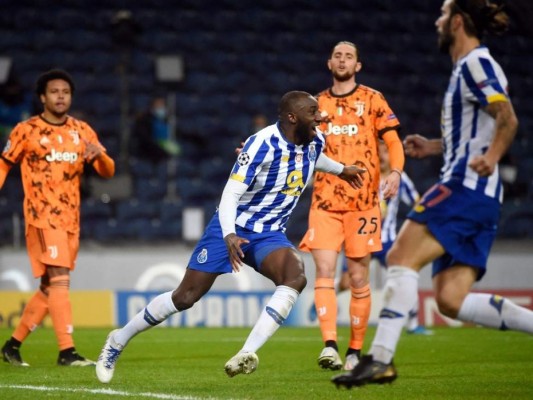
x=350, y=129
x=66, y=156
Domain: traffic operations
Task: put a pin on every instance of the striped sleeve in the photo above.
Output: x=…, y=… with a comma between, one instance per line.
x=485, y=84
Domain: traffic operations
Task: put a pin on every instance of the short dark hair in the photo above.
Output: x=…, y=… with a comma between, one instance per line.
x=289, y=99
x=42, y=81
x=349, y=44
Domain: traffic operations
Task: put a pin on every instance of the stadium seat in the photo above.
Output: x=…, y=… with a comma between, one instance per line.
x=93, y=208
x=150, y=188
x=136, y=209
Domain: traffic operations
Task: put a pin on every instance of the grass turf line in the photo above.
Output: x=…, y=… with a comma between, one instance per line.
x=188, y=363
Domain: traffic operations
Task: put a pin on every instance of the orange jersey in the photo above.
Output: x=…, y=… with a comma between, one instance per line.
x=352, y=126
x=51, y=162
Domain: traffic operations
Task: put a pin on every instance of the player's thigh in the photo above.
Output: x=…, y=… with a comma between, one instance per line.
x=284, y=266
x=48, y=247
x=414, y=246
x=325, y=232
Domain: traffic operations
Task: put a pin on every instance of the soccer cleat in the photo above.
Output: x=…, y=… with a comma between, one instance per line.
x=71, y=358
x=367, y=371
x=420, y=330
x=329, y=359
x=105, y=366
x=351, y=362
x=11, y=355
x=241, y=363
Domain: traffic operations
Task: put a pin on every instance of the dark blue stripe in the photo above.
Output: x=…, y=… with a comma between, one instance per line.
x=457, y=118
x=472, y=84
x=275, y=315
x=390, y=314
x=149, y=318
x=491, y=75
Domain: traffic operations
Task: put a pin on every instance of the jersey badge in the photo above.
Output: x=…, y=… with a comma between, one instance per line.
x=359, y=108
x=75, y=137
x=243, y=159
x=312, y=152
x=202, y=257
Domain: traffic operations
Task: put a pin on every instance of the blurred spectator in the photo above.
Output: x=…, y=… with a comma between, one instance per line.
x=15, y=105
x=259, y=121
x=151, y=139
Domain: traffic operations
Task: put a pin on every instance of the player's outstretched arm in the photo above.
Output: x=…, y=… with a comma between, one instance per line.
x=418, y=146
x=353, y=175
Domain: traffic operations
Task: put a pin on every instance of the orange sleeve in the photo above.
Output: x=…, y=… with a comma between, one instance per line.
x=395, y=147
x=104, y=165
x=4, y=169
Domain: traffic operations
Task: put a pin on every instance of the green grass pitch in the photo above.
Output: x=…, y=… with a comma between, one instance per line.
x=188, y=363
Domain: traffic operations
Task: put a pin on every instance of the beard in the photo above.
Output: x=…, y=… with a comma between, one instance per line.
x=446, y=39
x=304, y=134
x=345, y=76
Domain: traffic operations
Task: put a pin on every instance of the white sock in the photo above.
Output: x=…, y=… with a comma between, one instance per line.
x=158, y=310
x=412, y=319
x=276, y=311
x=494, y=311
x=400, y=295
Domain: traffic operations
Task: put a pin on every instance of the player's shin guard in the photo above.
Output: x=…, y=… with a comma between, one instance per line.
x=494, y=311
x=158, y=310
x=32, y=316
x=360, y=304
x=400, y=294
x=326, y=308
x=276, y=311
x=61, y=310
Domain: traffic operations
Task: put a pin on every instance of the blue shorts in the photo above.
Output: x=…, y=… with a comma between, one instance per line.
x=211, y=254
x=462, y=220
x=380, y=255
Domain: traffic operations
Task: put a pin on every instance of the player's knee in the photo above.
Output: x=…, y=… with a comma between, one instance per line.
x=448, y=307
x=183, y=301
x=298, y=282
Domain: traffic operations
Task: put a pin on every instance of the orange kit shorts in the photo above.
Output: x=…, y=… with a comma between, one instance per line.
x=360, y=231
x=51, y=247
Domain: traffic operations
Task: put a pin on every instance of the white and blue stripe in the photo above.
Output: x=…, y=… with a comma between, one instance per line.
x=476, y=81
x=408, y=195
x=276, y=172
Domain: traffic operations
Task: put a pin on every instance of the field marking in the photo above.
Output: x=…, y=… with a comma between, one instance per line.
x=106, y=391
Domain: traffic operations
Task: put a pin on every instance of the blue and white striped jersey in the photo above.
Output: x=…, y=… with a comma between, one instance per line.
x=408, y=195
x=476, y=81
x=276, y=172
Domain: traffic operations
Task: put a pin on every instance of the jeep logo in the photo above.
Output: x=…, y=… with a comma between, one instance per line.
x=62, y=156
x=349, y=130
